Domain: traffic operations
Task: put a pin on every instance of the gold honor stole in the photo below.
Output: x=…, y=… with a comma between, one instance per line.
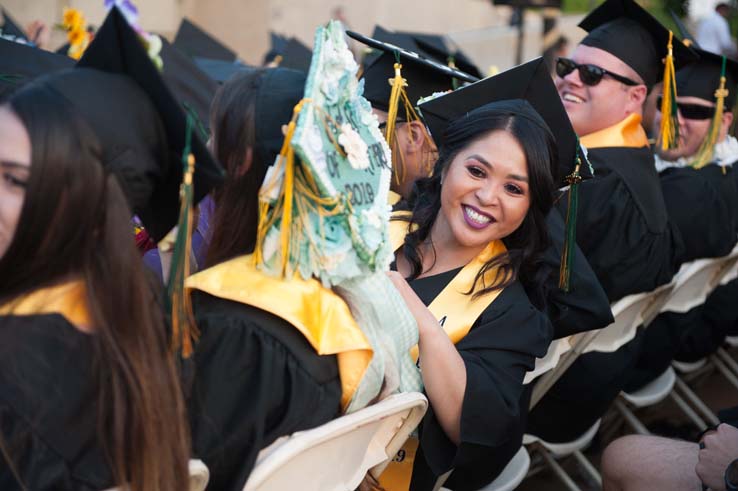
x=456, y=312
x=626, y=133
x=319, y=314
x=68, y=299
x=393, y=198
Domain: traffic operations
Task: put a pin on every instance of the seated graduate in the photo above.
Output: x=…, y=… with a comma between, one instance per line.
x=697, y=179
x=413, y=150
x=280, y=351
x=466, y=255
x=89, y=393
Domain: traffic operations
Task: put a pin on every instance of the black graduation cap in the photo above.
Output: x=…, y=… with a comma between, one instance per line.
x=21, y=63
x=530, y=82
x=439, y=47
x=627, y=31
x=142, y=128
x=11, y=28
x=296, y=56
x=194, y=41
x=193, y=88
x=424, y=75
x=277, y=45
x=220, y=70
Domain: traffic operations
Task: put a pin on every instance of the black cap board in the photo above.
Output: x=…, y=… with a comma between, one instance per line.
x=192, y=87
x=193, y=41
x=442, y=49
x=119, y=91
x=21, y=63
x=530, y=82
x=424, y=75
x=11, y=28
x=219, y=70
x=296, y=56
x=626, y=30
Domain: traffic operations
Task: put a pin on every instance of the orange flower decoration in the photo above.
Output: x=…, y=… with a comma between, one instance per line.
x=73, y=19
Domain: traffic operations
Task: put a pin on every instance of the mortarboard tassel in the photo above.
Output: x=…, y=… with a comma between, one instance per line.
x=398, y=92
x=184, y=330
x=705, y=152
x=570, y=233
x=669, y=130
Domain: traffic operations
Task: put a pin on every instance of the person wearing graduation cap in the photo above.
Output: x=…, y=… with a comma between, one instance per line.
x=467, y=254
x=622, y=223
x=698, y=182
x=413, y=150
x=88, y=373
x=20, y=64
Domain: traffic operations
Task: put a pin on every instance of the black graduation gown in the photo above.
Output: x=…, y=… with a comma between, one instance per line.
x=48, y=414
x=500, y=347
x=622, y=223
x=702, y=204
x=585, y=306
x=256, y=378
x=624, y=232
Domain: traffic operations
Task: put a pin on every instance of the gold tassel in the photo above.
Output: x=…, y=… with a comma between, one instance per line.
x=669, y=130
x=398, y=92
x=705, y=152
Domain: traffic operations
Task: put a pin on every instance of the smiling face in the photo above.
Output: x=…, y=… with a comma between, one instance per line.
x=595, y=107
x=15, y=169
x=484, y=194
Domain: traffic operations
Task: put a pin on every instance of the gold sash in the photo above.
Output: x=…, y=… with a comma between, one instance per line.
x=393, y=198
x=319, y=314
x=456, y=312
x=68, y=299
x=626, y=133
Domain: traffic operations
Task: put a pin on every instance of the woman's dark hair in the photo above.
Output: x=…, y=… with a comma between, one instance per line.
x=525, y=246
x=75, y=224
x=247, y=115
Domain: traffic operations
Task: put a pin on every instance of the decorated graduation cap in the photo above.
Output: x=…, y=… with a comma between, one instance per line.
x=10, y=28
x=193, y=41
x=148, y=142
x=626, y=30
x=192, y=87
x=526, y=90
x=219, y=70
x=21, y=63
x=324, y=211
x=440, y=48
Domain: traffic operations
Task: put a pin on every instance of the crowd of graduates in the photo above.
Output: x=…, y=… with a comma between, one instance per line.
x=142, y=323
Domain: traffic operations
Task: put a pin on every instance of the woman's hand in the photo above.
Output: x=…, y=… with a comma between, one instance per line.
x=444, y=376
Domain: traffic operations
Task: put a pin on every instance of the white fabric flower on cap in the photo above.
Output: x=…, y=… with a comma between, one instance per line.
x=355, y=148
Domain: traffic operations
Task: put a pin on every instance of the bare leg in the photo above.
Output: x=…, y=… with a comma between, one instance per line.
x=645, y=463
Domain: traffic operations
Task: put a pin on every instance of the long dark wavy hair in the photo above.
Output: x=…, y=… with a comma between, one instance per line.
x=75, y=224
x=525, y=246
x=247, y=115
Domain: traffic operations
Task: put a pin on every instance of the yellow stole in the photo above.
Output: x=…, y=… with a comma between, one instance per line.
x=319, y=314
x=456, y=312
x=393, y=198
x=68, y=299
x=626, y=133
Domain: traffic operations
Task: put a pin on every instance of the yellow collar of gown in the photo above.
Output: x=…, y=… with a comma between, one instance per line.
x=626, y=133
x=319, y=314
x=68, y=299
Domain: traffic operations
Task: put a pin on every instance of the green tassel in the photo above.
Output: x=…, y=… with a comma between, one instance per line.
x=193, y=114
x=184, y=331
x=570, y=234
x=11, y=78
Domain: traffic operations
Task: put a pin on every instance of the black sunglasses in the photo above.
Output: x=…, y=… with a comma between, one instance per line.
x=690, y=111
x=588, y=74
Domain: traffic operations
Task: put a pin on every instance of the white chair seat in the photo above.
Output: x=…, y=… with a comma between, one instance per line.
x=732, y=341
x=689, y=367
x=566, y=448
x=653, y=392
x=512, y=475
x=199, y=475
x=557, y=348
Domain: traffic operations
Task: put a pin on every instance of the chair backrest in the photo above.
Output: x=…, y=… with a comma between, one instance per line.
x=555, y=350
x=337, y=455
x=694, y=281
x=731, y=267
x=199, y=476
x=628, y=314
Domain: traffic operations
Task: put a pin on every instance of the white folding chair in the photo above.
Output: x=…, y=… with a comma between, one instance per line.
x=337, y=455
x=199, y=476
x=512, y=475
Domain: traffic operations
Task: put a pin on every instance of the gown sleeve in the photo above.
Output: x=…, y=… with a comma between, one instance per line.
x=585, y=306
x=499, y=349
x=255, y=379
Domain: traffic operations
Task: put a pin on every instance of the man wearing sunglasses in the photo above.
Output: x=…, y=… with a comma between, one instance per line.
x=698, y=183
x=622, y=224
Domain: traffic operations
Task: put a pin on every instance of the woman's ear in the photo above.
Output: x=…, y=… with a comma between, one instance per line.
x=245, y=166
x=416, y=136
